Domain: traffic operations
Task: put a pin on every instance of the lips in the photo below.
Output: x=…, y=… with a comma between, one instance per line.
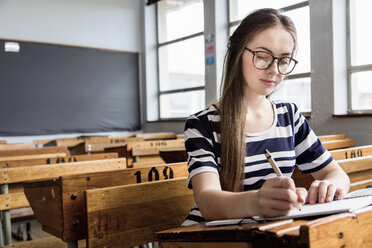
x=268, y=81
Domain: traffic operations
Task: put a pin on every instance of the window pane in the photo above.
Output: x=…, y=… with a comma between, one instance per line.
x=301, y=19
x=181, y=64
x=183, y=104
x=240, y=8
x=178, y=18
x=361, y=90
x=360, y=32
x=297, y=91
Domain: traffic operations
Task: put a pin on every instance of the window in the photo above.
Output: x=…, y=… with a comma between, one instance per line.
x=297, y=85
x=360, y=56
x=180, y=57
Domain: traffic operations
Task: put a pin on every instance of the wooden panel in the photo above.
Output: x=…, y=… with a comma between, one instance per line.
x=99, y=144
x=36, y=156
x=173, y=156
x=56, y=160
x=353, y=152
x=13, y=200
x=332, y=137
x=15, y=146
x=126, y=216
x=143, y=151
x=156, y=143
x=345, y=230
x=337, y=144
x=40, y=172
x=45, y=200
x=356, y=164
x=156, y=136
x=2, y=141
x=33, y=151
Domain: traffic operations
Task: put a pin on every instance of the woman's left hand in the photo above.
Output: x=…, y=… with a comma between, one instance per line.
x=321, y=191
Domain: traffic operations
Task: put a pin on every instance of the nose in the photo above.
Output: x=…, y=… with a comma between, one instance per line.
x=274, y=67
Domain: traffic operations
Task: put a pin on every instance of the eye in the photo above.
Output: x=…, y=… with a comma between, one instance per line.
x=263, y=56
x=285, y=61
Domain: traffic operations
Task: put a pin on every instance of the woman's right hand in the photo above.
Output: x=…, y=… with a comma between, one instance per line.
x=278, y=196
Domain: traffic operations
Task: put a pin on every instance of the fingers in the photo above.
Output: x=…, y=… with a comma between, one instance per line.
x=278, y=196
x=323, y=191
x=301, y=194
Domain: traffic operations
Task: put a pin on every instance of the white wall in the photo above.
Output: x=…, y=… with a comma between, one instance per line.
x=112, y=24
x=109, y=24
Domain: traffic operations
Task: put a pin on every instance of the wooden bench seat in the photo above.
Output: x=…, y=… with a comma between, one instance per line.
x=13, y=146
x=156, y=136
x=332, y=137
x=63, y=212
x=338, y=144
x=33, y=153
x=126, y=216
x=56, y=160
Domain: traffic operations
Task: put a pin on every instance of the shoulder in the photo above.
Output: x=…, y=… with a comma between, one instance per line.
x=204, y=117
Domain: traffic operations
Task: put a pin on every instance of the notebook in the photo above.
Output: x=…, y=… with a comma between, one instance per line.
x=353, y=201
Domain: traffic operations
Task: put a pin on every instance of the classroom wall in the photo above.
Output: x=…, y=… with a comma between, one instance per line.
x=108, y=24
x=112, y=24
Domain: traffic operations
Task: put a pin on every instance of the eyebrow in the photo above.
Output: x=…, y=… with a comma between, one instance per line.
x=268, y=50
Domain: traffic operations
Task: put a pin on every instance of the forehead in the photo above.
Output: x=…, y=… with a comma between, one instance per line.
x=276, y=39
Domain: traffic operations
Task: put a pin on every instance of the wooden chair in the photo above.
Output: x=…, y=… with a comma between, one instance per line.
x=59, y=205
x=9, y=176
x=126, y=216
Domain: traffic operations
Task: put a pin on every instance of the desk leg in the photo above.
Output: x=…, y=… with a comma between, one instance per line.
x=1, y=232
x=6, y=219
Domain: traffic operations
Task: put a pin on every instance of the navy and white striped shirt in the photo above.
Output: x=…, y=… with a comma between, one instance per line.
x=290, y=141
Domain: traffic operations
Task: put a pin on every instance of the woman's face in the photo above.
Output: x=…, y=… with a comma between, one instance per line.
x=275, y=40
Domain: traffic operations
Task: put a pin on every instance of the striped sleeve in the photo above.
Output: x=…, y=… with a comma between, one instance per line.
x=199, y=147
x=311, y=155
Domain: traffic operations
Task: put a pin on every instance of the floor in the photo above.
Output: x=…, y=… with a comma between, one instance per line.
x=36, y=231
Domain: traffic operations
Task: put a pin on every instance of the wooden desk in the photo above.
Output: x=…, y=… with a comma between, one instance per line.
x=339, y=230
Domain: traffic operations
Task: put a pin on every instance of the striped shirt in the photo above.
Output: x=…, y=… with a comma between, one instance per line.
x=290, y=141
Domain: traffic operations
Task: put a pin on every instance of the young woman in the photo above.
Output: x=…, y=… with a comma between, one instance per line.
x=226, y=143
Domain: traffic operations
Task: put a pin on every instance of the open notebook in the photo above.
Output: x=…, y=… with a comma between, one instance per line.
x=354, y=200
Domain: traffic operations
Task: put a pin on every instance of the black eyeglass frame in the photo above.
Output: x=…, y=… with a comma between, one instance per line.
x=272, y=61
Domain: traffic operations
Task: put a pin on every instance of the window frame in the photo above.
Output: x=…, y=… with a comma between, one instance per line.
x=350, y=68
x=182, y=90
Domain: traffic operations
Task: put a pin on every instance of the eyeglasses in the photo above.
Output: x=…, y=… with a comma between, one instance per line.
x=263, y=60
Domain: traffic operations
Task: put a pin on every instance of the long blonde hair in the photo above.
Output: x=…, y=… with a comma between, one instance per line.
x=231, y=104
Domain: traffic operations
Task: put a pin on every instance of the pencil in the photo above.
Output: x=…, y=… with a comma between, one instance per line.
x=273, y=164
